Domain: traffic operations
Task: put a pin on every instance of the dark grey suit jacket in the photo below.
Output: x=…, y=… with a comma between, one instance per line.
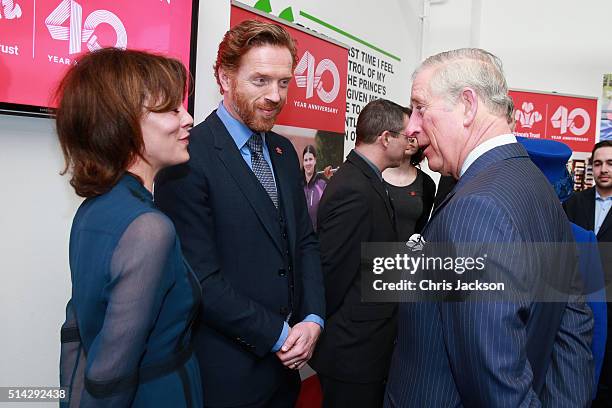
x=495, y=354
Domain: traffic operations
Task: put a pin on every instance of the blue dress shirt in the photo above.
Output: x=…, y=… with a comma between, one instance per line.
x=241, y=133
x=602, y=207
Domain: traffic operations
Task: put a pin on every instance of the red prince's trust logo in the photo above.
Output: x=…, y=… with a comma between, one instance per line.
x=11, y=10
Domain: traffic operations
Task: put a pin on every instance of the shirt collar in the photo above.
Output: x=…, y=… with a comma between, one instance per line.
x=137, y=189
x=600, y=198
x=485, y=147
x=239, y=132
x=372, y=165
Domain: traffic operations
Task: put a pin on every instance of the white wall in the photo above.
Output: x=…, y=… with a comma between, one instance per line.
x=551, y=45
x=36, y=209
x=548, y=45
x=37, y=204
x=213, y=22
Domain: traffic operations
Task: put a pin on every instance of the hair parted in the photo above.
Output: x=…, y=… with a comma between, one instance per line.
x=239, y=39
x=603, y=143
x=101, y=101
x=309, y=149
x=469, y=67
x=377, y=116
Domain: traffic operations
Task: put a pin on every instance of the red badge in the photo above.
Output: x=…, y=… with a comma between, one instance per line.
x=279, y=150
x=413, y=193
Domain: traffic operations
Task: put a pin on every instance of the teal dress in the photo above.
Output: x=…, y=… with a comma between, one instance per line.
x=126, y=341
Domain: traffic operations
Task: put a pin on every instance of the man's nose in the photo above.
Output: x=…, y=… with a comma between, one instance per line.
x=273, y=94
x=414, y=130
x=414, y=126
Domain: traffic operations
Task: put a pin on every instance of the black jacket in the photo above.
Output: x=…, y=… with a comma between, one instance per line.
x=357, y=342
x=580, y=209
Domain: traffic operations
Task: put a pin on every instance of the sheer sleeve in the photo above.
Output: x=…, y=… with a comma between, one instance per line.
x=72, y=359
x=139, y=279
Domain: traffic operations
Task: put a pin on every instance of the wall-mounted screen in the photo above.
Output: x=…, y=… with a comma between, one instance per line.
x=40, y=39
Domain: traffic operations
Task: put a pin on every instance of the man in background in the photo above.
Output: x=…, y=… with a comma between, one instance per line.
x=477, y=353
x=352, y=358
x=240, y=213
x=590, y=209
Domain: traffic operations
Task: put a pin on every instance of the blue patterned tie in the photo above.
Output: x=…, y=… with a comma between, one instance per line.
x=261, y=168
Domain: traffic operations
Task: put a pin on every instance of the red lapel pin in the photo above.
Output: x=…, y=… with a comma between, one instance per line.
x=279, y=150
x=413, y=193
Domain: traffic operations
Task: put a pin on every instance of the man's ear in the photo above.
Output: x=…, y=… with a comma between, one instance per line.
x=225, y=77
x=469, y=99
x=384, y=138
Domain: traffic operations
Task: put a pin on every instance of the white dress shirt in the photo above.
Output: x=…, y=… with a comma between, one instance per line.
x=485, y=147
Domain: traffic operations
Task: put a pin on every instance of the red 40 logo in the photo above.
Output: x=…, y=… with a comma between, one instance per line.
x=76, y=32
x=565, y=120
x=306, y=76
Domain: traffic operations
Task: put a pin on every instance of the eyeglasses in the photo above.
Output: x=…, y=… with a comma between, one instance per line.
x=410, y=139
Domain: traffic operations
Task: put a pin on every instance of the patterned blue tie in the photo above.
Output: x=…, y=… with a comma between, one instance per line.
x=261, y=168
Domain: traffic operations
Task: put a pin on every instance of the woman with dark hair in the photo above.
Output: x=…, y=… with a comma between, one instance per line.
x=411, y=190
x=126, y=341
x=314, y=183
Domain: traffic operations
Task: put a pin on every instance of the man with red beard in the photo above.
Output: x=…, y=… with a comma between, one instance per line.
x=240, y=213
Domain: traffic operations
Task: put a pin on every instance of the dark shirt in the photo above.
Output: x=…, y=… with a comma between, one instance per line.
x=412, y=204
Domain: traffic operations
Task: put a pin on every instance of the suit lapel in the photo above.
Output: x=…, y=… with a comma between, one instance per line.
x=244, y=177
x=443, y=203
x=283, y=184
x=590, y=213
x=377, y=184
x=607, y=223
x=492, y=156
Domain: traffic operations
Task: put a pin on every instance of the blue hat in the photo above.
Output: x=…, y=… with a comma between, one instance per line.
x=551, y=158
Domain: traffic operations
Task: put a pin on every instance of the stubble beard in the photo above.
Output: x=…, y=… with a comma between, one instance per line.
x=248, y=112
x=604, y=188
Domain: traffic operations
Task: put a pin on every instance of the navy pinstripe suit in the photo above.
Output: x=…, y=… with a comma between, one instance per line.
x=494, y=354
